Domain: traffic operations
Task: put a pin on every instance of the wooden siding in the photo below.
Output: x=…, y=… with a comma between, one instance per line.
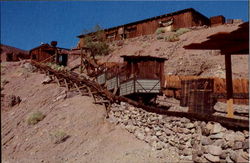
x=173, y=86
x=217, y=20
x=182, y=19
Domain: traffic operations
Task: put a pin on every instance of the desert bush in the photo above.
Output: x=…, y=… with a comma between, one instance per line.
x=159, y=37
x=181, y=31
x=59, y=136
x=159, y=31
x=96, y=42
x=172, y=38
x=57, y=67
x=35, y=117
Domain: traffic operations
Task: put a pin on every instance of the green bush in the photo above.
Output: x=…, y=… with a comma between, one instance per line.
x=59, y=136
x=35, y=117
x=96, y=42
x=57, y=67
x=159, y=37
x=181, y=31
x=160, y=30
x=172, y=38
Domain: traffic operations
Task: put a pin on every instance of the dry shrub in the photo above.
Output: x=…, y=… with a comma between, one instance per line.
x=159, y=37
x=59, y=136
x=35, y=117
x=172, y=38
x=181, y=31
x=159, y=31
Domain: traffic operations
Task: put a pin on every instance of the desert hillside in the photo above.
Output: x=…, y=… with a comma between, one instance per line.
x=90, y=136
x=183, y=61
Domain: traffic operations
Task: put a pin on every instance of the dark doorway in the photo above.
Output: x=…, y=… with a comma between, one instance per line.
x=9, y=57
x=63, y=59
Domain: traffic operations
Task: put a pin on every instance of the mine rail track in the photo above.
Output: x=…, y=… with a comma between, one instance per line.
x=91, y=87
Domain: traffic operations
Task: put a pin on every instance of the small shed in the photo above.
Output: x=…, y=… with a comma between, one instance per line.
x=49, y=53
x=217, y=20
x=142, y=75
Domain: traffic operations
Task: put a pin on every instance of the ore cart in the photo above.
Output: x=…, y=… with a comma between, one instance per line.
x=142, y=78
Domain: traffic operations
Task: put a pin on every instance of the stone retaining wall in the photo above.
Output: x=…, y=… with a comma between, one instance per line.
x=195, y=140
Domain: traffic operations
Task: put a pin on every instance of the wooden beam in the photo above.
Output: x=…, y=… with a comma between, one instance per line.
x=229, y=86
x=81, y=64
x=67, y=86
x=58, y=82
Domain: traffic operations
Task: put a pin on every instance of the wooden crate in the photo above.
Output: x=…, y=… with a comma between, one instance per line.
x=201, y=101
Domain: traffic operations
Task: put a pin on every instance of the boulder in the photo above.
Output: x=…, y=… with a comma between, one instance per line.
x=187, y=152
x=147, y=130
x=46, y=80
x=158, y=133
x=228, y=159
x=233, y=155
x=217, y=128
x=220, y=143
x=239, y=136
x=245, y=155
x=189, y=125
x=246, y=144
x=223, y=155
x=206, y=140
x=214, y=150
x=212, y=158
x=237, y=145
x=167, y=131
x=217, y=136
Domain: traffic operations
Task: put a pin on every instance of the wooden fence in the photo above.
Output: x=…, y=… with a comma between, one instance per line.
x=173, y=87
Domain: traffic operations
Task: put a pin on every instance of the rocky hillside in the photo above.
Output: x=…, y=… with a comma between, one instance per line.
x=49, y=124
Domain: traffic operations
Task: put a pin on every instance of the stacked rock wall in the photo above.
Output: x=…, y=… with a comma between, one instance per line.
x=195, y=140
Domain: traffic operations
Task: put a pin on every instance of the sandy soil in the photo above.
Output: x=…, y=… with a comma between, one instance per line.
x=91, y=137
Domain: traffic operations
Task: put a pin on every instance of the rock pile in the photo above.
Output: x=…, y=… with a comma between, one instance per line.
x=195, y=140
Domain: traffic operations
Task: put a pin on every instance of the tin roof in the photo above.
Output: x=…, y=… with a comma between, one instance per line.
x=152, y=18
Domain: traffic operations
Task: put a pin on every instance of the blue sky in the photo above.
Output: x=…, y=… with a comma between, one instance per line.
x=26, y=24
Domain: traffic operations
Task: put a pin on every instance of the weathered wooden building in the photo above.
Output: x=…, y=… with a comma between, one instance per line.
x=49, y=53
x=180, y=19
x=217, y=20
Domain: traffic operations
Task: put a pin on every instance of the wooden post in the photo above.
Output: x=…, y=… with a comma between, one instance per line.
x=56, y=56
x=81, y=65
x=229, y=86
x=57, y=80
x=66, y=84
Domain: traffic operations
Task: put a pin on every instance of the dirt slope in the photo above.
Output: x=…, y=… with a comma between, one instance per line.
x=182, y=61
x=91, y=137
